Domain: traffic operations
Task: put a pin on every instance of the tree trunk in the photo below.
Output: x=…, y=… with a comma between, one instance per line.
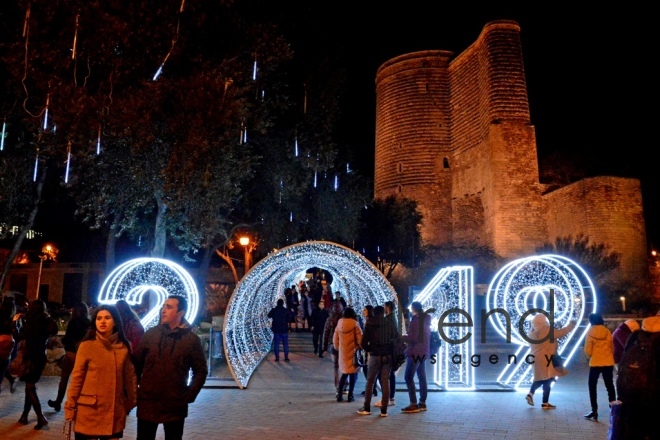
x=225, y=256
x=160, y=232
x=24, y=229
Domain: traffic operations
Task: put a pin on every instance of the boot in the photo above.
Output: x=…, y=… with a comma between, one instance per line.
x=23, y=420
x=41, y=422
x=592, y=415
x=56, y=405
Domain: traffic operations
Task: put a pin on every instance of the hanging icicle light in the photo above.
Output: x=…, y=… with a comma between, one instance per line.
x=305, y=99
x=26, y=23
x=245, y=135
x=281, y=189
x=46, y=112
x=262, y=95
x=336, y=182
x=68, y=163
x=36, y=166
x=315, y=178
x=348, y=168
x=291, y=216
x=75, y=39
x=2, y=138
x=254, y=69
x=296, y=147
x=98, y=142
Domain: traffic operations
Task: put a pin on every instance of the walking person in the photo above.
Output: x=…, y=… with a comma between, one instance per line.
x=600, y=349
x=133, y=328
x=280, y=316
x=367, y=313
x=103, y=385
x=390, y=314
x=335, y=315
x=347, y=338
x=9, y=331
x=39, y=326
x=544, y=372
x=319, y=318
x=164, y=360
x=379, y=332
x=417, y=352
x=620, y=337
x=76, y=330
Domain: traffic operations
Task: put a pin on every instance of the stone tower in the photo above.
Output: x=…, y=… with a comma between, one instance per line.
x=454, y=134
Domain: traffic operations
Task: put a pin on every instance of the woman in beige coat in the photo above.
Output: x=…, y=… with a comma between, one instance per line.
x=544, y=372
x=103, y=385
x=347, y=339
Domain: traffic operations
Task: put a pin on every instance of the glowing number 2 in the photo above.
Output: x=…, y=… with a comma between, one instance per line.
x=135, y=278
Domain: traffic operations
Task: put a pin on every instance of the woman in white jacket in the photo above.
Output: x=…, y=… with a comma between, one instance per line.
x=544, y=372
x=103, y=385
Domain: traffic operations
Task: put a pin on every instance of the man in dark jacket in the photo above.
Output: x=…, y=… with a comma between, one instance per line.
x=166, y=355
x=377, y=341
x=280, y=327
x=319, y=317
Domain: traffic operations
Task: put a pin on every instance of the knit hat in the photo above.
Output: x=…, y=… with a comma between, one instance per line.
x=632, y=324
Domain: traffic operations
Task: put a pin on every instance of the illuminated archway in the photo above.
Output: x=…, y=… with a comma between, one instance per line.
x=135, y=278
x=247, y=334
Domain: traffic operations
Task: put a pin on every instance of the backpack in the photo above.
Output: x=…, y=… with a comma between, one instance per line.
x=636, y=379
x=435, y=342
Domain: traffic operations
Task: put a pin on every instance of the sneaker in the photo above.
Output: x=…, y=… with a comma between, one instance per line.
x=364, y=411
x=383, y=414
x=392, y=402
x=379, y=404
x=530, y=399
x=412, y=408
x=548, y=406
x=422, y=406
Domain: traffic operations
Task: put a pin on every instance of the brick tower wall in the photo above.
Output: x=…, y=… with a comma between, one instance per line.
x=607, y=210
x=412, y=137
x=495, y=191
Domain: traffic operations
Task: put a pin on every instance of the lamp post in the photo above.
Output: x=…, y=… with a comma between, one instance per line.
x=623, y=303
x=48, y=252
x=245, y=242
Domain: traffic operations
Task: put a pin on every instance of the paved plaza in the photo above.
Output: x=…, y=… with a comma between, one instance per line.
x=296, y=401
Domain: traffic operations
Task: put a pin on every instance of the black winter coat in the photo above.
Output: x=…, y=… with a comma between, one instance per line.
x=280, y=319
x=378, y=336
x=163, y=361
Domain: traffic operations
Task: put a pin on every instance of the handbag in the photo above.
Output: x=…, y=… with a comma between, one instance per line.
x=557, y=360
x=359, y=357
x=6, y=346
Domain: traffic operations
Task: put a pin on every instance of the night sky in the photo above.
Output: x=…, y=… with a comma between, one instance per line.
x=589, y=72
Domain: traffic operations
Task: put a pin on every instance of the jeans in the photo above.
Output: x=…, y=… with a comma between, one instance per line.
x=146, y=430
x=379, y=366
x=594, y=372
x=547, y=386
x=352, y=378
x=419, y=367
x=284, y=337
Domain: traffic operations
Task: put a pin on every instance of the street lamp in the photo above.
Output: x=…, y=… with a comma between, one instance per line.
x=48, y=252
x=245, y=242
x=623, y=303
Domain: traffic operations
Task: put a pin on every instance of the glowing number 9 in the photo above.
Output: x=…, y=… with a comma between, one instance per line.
x=135, y=278
x=526, y=284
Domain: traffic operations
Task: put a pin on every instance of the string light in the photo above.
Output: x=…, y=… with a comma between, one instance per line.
x=36, y=165
x=98, y=142
x=2, y=138
x=132, y=280
x=254, y=69
x=46, y=112
x=68, y=163
x=247, y=334
x=296, y=147
x=75, y=39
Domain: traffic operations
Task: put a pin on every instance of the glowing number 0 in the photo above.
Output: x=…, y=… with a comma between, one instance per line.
x=519, y=286
x=135, y=278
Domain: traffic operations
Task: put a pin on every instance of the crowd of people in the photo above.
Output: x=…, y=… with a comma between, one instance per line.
x=111, y=365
